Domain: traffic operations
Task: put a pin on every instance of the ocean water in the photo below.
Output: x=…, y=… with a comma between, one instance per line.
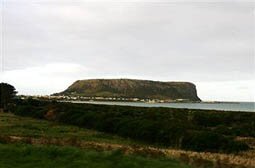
x=237, y=106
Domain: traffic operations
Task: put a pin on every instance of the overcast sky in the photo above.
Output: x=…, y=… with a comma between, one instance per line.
x=48, y=44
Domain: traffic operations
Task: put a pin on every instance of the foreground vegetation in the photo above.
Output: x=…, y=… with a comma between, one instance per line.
x=197, y=130
x=15, y=129
x=26, y=142
x=12, y=125
x=26, y=156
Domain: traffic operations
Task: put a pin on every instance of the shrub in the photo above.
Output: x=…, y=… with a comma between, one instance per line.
x=193, y=130
x=211, y=142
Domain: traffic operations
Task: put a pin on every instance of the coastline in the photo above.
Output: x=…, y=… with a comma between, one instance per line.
x=219, y=106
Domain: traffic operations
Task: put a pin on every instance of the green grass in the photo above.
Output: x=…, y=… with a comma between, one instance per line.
x=29, y=156
x=48, y=156
x=12, y=125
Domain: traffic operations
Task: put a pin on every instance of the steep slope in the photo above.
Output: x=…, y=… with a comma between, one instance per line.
x=130, y=88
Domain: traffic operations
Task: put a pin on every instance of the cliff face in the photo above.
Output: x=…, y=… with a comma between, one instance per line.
x=129, y=88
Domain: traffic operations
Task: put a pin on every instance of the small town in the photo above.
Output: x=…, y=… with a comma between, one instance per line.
x=84, y=98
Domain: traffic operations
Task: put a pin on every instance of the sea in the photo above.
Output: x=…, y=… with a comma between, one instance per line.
x=224, y=106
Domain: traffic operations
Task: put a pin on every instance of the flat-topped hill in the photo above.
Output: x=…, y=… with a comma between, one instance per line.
x=131, y=88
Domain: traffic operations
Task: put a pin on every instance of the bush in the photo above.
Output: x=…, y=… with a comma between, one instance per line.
x=192, y=130
x=211, y=142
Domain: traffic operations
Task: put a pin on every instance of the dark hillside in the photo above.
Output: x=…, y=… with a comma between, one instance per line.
x=129, y=88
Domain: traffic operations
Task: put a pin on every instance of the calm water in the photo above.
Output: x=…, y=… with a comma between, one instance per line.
x=241, y=106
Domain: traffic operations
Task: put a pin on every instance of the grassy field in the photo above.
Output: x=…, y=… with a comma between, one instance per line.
x=31, y=142
x=12, y=125
x=27, y=155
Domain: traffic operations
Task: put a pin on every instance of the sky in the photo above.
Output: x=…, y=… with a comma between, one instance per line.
x=46, y=45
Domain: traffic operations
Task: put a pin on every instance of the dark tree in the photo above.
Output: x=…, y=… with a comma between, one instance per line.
x=7, y=94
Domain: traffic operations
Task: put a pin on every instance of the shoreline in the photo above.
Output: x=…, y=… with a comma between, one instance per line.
x=232, y=107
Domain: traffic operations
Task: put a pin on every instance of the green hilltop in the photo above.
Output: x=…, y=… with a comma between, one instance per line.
x=130, y=88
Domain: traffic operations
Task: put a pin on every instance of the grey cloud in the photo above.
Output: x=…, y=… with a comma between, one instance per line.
x=175, y=41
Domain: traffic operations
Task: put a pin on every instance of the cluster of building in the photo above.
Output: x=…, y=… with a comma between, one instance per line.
x=84, y=98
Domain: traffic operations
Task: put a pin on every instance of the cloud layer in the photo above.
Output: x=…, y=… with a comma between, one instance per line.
x=202, y=42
